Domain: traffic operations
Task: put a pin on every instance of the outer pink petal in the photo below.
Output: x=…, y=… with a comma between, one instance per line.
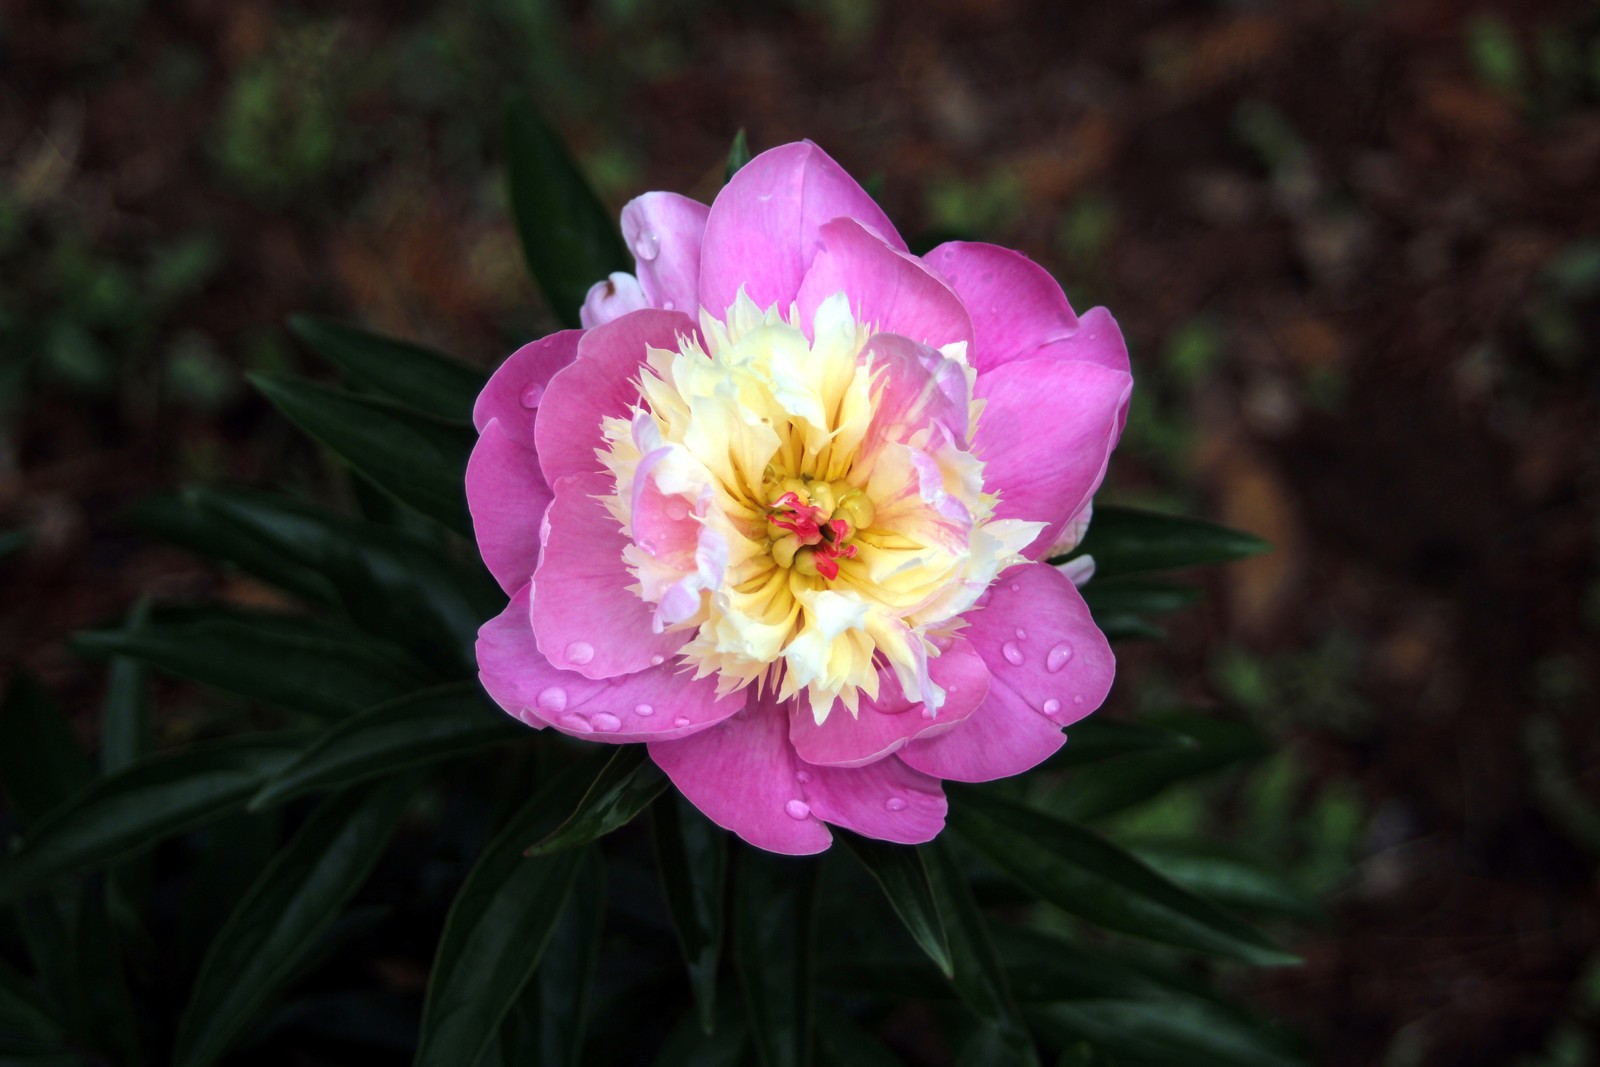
x=620, y=294
x=507, y=496
x=517, y=388
x=745, y=777
x=887, y=800
x=1099, y=341
x=1016, y=306
x=1049, y=667
x=887, y=723
x=662, y=703
x=1045, y=436
x=764, y=227
x=584, y=615
x=665, y=231
x=600, y=382
x=887, y=287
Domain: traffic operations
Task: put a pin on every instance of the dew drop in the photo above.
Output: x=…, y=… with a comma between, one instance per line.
x=1077, y=699
x=647, y=246
x=1022, y=635
x=580, y=652
x=644, y=709
x=681, y=721
x=657, y=660
x=1012, y=653
x=1057, y=658
x=797, y=809
x=802, y=777
x=667, y=305
x=577, y=723
x=895, y=804
x=553, y=699
x=606, y=722
x=1016, y=587
x=532, y=395
x=677, y=510
x=1052, y=706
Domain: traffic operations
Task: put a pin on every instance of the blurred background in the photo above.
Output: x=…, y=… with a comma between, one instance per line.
x=1354, y=246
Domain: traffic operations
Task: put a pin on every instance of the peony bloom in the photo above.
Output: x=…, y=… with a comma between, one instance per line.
x=780, y=509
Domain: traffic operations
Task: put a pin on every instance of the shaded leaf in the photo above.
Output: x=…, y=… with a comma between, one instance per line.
x=1129, y=541
x=1147, y=1033
x=628, y=784
x=416, y=730
x=692, y=1044
x=1111, y=785
x=1133, y=597
x=901, y=874
x=570, y=240
x=1088, y=876
x=144, y=803
x=417, y=460
x=418, y=377
x=295, y=663
x=23, y=1009
x=41, y=762
x=738, y=155
x=773, y=909
x=278, y=922
x=841, y=1043
x=1098, y=738
x=692, y=858
x=1229, y=875
x=125, y=731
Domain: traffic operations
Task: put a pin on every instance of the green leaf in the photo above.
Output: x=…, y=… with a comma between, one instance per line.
x=693, y=1044
x=126, y=734
x=1127, y=596
x=773, y=909
x=1088, y=876
x=1098, y=738
x=1128, y=541
x=41, y=762
x=979, y=978
x=144, y=803
x=628, y=785
x=295, y=663
x=414, y=731
x=417, y=460
x=570, y=240
x=187, y=519
x=901, y=874
x=738, y=156
x=1229, y=875
x=692, y=858
x=291, y=905
x=1159, y=1032
x=498, y=927
x=841, y=1043
x=1115, y=784
x=418, y=377
x=23, y=1010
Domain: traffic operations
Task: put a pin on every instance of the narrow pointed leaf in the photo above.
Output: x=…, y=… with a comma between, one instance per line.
x=1129, y=541
x=628, y=785
x=691, y=1044
x=772, y=942
x=294, y=663
x=1099, y=738
x=23, y=1010
x=738, y=155
x=979, y=978
x=126, y=734
x=41, y=762
x=417, y=460
x=278, y=922
x=416, y=730
x=692, y=856
x=144, y=803
x=841, y=1043
x=1112, y=785
x=1082, y=873
x=902, y=875
x=418, y=377
x=498, y=927
x=1230, y=876
x=1128, y=596
x=1164, y=1031
x=569, y=238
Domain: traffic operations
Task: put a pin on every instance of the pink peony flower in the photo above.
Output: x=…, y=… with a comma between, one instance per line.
x=780, y=509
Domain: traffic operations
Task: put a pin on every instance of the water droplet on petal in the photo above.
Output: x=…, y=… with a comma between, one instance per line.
x=677, y=510
x=1057, y=658
x=644, y=709
x=1052, y=706
x=797, y=809
x=576, y=722
x=1016, y=587
x=1077, y=699
x=553, y=699
x=802, y=777
x=606, y=722
x=647, y=245
x=580, y=652
x=667, y=305
x=657, y=660
x=895, y=804
x=681, y=721
x=1022, y=635
x=532, y=395
x=1012, y=653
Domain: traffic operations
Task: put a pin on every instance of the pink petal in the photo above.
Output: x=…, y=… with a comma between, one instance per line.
x=888, y=288
x=916, y=387
x=1099, y=341
x=507, y=496
x=584, y=615
x=516, y=389
x=887, y=723
x=745, y=777
x=886, y=800
x=1016, y=306
x=665, y=230
x=619, y=295
x=600, y=382
x=1049, y=667
x=764, y=227
x=1045, y=436
x=661, y=703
